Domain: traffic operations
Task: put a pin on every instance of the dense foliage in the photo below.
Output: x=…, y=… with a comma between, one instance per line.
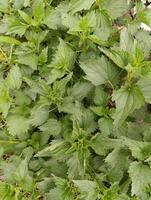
x=75, y=95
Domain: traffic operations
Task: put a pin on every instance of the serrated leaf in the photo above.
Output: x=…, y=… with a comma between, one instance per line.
x=100, y=97
x=5, y=101
x=54, y=194
x=118, y=158
x=114, y=194
x=99, y=71
x=21, y=175
x=127, y=99
x=140, y=150
x=38, y=116
x=73, y=167
x=81, y=5
x=8, y=191
x=126, y=40
x=14, y=78
x=4, y=6
x=43, y=57
x=89, y=189
x=18, y=28
x=38, y=10
x=29, y=59
x=145, y=87
x=100, y=111
x=63, y=58
x=117, y=57
x=54, y=147
x=22, y=98
x=143, y=37
x=52, y=126
x=18, y=4
x=45, y=185
x=25, y=17
x=52, y=18
x=65, y=188
x=106, y=126
x=9, y=40
x=141, y=177
x=103, y=28
x=81, y=89
x=116, y=8
x=102, y=144
x=17, y=125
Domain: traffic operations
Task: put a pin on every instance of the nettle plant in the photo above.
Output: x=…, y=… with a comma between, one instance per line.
x=75, y=95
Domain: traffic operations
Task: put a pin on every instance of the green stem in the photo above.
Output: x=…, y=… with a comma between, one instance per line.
x=4, y=54
x=11, y=53
x=9, y=142
x=111, y=84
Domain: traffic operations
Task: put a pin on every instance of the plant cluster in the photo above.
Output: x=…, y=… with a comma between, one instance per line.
x=75, y=95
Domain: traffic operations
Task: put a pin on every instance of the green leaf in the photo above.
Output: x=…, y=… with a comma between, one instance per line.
x=14, y=78
x=104, y=29
x=114, y=194
x=17, y=27
x=64, y=188
x=52, y=18
x=9, y=40
x=5, y=101
x=77, y=24
x=84, y=118
x=127, y=99
x=17, y=125
x=45, y=185
x=145, y=87
x=43, y=57
x=54, y=194
x=63, y=59
x=35, y=38
x=96, y=39
x=116, y=56
x=126, y=40
x=80, y=90
x=74, y=167
x=4, y=6
x=59, y=87
x=78, y=5
x=25, y=17
x=23, y=170
x=99, y=70
x=118, y=158
x=26, y=3
x=140, y=150
x=116, y=8
x=38, y=10
x=102, y=144
x=106, y=126
x=143, y=38
x=29, y=59
x=100, y=97
x=22, y=177
x=56, y=145
x=52, y=126
x=18, y=4
x=8, y=191
x=89, y=189
x=100, y=111
x=141, y=177
x=38, y=116
x=22, y=98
